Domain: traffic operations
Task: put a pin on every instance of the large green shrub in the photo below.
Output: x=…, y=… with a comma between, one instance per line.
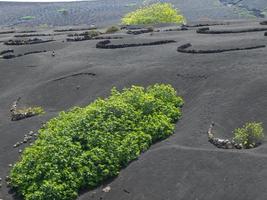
x=154, y=14
x=250, y=135
x=84, y=146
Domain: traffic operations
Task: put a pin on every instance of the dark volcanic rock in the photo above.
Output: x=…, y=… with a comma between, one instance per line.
x=26, y=42
x=105, y=44
x=229, y=31
x=184, y=49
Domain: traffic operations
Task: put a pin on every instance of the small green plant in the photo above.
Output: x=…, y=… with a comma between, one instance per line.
x=23, y=113
x=27, y=17
x=130, y=5
x=85, y=146
x=112, y=29
x=92, y=33
x=34, y=110
x=63, y=11
x=250, y=135
x=43, y=26
x=150, y=28
x=154, y=14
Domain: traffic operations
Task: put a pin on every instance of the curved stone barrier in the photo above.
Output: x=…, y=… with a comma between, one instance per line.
x=75, y=29
x=184, y=49
x=10, y=56
x=204, y=24
x=222, y=143
x=140, y=31
x=31, y=31
x=38, y=35
x=6, y=51
x=192, y=76
x=26, y=42
x=207, y=30
x=132, y=27
x=76, y=74
x=176, y=29
x=6, y=32
x=78, y=39
x=34, y=52
x=263, y=23
x=18, y=115
x=106, y=44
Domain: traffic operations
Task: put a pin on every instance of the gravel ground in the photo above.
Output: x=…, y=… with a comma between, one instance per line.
x=102, y=13
x=229, y=88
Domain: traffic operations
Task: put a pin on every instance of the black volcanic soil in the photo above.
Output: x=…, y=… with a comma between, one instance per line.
x=101, y=13
x=229, y=88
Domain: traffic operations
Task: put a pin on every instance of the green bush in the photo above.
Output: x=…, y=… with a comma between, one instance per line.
x=28, y=17
x=63, y=11
x=250, y=135
x=112, y=29
x=154, y=14
x=34, y=110
x=91, y=34
x=84, y=146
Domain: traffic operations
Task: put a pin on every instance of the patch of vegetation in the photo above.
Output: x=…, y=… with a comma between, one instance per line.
x=27, y=17
x=250, y=135
x=43, y=26
x=130, y=5
x=63, y=11
x=34, y=110
x=243, y=12
x=154, y=14
x=23, y=113
x=112, y=29
x=85, y=146
x=91, y=34
x=150, y=28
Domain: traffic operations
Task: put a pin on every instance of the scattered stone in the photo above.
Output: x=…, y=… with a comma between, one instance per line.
x=126, y=191
x=20, y=151
x=10, y=165
x=106, y=189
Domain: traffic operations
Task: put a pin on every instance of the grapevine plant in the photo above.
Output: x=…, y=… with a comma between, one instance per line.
x=83, y=147
x=154, y=14
x=250, y=135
